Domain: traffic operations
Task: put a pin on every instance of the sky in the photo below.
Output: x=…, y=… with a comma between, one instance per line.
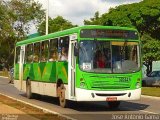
x=76, y=11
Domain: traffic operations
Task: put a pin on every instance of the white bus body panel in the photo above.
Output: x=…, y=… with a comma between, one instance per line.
x=86, y=95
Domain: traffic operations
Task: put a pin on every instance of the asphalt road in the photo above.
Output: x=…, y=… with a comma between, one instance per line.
x=146, y=108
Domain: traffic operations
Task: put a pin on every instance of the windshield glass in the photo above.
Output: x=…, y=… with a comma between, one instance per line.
x=108, y=57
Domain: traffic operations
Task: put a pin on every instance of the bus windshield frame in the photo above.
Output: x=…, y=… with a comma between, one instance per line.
x=113, y=56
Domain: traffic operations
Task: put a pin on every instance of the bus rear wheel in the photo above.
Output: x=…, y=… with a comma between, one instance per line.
x=28, y=89
x=61, y=94
x=113, y=104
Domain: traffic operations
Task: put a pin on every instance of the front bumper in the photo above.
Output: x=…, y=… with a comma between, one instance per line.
x=93, y=95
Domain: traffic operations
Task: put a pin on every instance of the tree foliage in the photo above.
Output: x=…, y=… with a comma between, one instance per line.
x=93, y=21
x=145, y=16
x=17, y=17
x=151, y=48
x=55, y=24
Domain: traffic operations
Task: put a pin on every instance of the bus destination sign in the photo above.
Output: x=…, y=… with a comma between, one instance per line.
x=107, y=33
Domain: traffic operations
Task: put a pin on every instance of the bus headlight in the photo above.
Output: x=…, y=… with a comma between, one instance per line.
x=138, y=85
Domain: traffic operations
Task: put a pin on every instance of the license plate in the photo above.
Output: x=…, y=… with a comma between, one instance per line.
x=111, y=99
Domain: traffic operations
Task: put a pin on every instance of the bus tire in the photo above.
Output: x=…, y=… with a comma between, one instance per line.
x=113, y=104
x=62, y=100
x=28, y=89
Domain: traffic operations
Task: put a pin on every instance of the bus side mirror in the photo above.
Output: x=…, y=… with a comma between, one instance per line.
x=75, y=51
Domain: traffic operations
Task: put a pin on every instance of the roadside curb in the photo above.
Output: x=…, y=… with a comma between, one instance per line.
x=36, y=106
x=152, y=97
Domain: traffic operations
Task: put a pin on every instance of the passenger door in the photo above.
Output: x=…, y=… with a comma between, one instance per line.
x=72, y=68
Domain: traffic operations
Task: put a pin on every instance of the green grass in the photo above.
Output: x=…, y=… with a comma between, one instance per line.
x=151, y=91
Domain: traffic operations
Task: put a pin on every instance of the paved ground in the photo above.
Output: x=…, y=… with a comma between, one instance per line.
x=91, y=111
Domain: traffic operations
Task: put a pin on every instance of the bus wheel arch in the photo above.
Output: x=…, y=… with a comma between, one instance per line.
x=28, y=88
x=61, y=93
x=58, y=84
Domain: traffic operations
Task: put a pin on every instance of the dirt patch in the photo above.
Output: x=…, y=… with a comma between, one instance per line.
x=4, y=73
x=151, y=91
x=35, y=112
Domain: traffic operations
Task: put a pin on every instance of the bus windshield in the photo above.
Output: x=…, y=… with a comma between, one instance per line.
x=109, y=56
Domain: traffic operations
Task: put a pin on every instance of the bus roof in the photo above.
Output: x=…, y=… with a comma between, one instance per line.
x=69, y=31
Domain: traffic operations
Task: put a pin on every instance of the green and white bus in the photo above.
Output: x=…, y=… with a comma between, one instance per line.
x=87, y=63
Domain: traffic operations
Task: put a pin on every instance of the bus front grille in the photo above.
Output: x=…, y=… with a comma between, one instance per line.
x=109, y=85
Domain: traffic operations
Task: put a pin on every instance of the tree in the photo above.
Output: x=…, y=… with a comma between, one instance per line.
x=93, y=21
x=151, y=51
x=24, y=13
x=16, y=19
x=55, y=24
x=145, y=16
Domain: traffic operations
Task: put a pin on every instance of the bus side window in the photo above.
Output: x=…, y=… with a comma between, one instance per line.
x=17, y=60
x=29, y=53
x=36, y=54
x=44, y=51
x=63, y=48
x=53, y=50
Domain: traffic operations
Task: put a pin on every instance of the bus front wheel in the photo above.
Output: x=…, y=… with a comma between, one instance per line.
x=113, y=104
x=61, y=94
x=28, y=89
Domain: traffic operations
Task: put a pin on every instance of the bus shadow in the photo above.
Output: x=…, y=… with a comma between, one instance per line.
x=43, y=98
x=103, y=106
x=92, y=106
